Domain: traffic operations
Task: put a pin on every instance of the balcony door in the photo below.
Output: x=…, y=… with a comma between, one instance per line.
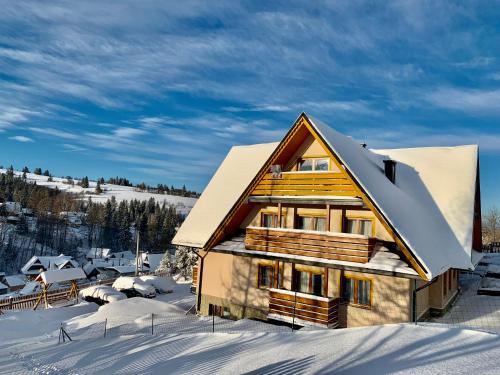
x=309, y=282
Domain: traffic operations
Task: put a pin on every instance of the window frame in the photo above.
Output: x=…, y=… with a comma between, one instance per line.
x=271, y=276
x=356, y=280
x=314, y=160
x=275, y=219
x=358, y=219
x=314, y=221
x=310, y=287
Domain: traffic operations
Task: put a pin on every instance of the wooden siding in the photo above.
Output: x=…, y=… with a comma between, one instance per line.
x=304, y=243
x=284, y=305
x=305, y=183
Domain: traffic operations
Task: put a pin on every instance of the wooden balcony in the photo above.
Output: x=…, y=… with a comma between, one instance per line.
x=306, y=184
x=324, y=245
x=307, y=309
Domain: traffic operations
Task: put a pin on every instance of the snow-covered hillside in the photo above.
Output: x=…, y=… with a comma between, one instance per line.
x=183, y=204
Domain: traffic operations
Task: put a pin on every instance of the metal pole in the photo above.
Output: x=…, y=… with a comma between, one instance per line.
x=152, y=322
x=137, y=253
x=294, y=282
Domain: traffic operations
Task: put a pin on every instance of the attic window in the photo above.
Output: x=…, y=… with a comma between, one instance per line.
x=314, y=164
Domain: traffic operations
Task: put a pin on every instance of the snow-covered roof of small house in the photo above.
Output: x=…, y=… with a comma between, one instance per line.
x=56, y=276
x=430, y=205
x=3, y=286
x=33, y=266
x=122, y=254
x=153, y=260
x=98, y=252
x=229, y=182
x=13, y=281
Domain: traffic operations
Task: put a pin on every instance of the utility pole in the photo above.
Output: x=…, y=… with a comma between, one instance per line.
x=137, y=253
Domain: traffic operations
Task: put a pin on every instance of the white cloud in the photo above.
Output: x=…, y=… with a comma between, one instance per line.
x=475, y=101
x=21, y=138
x=128, y=132
x=58, y=133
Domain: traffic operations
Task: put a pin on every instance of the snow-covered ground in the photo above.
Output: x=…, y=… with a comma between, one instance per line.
x=28, y=344
x=474, y=311
x=183, y=204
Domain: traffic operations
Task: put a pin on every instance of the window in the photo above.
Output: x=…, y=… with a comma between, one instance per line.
x=270, y=220
x=359, y=226
x=309, y=282
x=356, y=291
x=220, y=311
x=266, y=276
x=317, y=223
x=314, y=164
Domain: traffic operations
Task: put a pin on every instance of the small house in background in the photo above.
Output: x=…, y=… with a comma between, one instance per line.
x=151, y=261
x=98, y=253
x=3, y=289
x=39, y=264
x=13, y=282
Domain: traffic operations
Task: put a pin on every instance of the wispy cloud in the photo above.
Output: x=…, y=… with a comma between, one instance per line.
x=475, y=101
x=21, y=138
x=58, y=133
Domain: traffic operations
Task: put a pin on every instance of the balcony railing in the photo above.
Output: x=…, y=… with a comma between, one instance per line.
x=305, y=183
x=303, y=309
x=324, y=245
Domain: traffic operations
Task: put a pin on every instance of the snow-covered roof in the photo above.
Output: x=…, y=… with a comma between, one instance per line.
x=3, y=286
x=67, y=274
x=45, y=262
x=98, y=252
x=152, y=260
x=430, y=206
x=229, y=182
x=122, y=254
x=13, y=280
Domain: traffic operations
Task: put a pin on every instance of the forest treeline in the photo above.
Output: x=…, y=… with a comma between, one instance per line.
x=45, y=231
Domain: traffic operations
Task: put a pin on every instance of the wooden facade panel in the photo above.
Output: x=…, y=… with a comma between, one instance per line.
x=305, y=183
x=323, y=312
x=309, y=244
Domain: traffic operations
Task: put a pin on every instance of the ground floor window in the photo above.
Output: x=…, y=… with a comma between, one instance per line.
x=309, y=282
x=356, y=291
x=219, y=311
x=265, y=276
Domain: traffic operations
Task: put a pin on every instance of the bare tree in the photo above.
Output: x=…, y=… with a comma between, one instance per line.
x=491, y=226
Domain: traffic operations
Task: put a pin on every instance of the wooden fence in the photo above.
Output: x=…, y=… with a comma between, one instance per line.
x=29, y=301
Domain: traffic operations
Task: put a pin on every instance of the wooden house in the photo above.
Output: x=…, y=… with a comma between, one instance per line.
x=318, y=229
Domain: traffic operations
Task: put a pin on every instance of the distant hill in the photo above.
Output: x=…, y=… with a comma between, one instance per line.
x=182, y=204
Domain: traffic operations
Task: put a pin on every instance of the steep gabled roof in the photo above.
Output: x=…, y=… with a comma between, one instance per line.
x=430, y=207
x=236, y=172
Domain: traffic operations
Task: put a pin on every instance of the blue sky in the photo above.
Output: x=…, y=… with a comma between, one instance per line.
x=159, y=91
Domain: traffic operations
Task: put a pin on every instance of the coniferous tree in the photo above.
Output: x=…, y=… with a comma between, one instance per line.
x=37, y=171
x=46, y=173
x=98, y=189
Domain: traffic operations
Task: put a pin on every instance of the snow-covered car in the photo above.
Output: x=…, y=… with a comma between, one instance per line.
x=134, y=286
x=163, y=284
x=101, y=294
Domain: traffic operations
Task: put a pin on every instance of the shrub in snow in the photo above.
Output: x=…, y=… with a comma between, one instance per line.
x=161, y=284
x=166, y=263
x=185, y=259
x=133, y=286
